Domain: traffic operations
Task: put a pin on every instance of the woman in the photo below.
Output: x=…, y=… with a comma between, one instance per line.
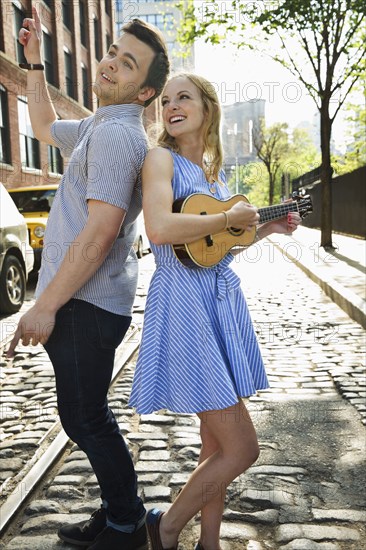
x=199, y=353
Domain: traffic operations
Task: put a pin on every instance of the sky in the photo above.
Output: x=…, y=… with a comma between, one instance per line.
x=245, y=75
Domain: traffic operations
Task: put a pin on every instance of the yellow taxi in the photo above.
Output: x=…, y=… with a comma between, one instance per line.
x=35, y=202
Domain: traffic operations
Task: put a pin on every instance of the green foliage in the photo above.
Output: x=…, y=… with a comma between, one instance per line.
x=330, y=33
x=271, y=145
x=302, y=155
x=297, y=154
x=355, y=155
x=255, y=178
x=253, y=182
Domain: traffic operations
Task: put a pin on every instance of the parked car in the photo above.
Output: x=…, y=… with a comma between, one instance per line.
x=35, y=202
x=16, y=255
x=141, y=244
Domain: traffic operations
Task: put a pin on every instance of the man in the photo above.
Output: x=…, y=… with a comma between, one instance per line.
x=88, y=277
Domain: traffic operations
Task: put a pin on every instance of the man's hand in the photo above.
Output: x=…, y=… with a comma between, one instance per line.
x=30, y=36
x=35, y=327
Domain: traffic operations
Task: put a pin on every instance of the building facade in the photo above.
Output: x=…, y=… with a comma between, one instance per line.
x=164, y=15
x=75, y=36
x=240, y=120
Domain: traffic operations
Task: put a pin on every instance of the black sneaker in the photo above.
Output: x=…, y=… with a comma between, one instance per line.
x=111, y=539
x=84, y=533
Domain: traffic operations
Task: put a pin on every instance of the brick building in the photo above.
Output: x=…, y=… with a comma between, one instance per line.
x=75, y=36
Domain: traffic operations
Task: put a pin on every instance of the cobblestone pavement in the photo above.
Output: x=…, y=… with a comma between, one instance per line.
x=307, y=489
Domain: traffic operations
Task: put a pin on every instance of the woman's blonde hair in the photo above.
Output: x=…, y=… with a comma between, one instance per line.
x=213, y=154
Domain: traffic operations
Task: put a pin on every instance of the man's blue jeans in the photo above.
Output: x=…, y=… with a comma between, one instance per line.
x=81, y=349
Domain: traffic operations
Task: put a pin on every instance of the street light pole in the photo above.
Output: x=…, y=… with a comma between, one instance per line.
x=236, y=160
x=236, y=175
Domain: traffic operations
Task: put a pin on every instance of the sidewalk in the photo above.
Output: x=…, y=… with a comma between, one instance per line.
x=341, y=274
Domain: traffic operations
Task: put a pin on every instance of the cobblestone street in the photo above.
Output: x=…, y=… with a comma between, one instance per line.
x=307, y=490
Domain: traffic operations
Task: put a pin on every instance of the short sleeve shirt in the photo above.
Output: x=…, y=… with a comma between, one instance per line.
x=106, y=152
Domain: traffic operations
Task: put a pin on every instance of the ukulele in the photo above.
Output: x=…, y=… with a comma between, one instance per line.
x=210, y=250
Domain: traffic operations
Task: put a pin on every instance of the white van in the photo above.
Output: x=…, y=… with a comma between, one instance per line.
x=16, y=255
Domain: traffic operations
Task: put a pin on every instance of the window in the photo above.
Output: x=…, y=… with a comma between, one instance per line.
x=19, y=15
x=86, y=84
x=34, y=200
x=164, y=22
x=29, y=145
x=55, y=162
x=108, y=7
x=48, y=58
x=4, y=127
x=119, y=3
x=69, y=76
x=108, y=40
x=83, y=27
x=97, y=45
x=66, y=13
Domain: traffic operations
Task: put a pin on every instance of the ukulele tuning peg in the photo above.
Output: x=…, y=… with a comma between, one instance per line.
x=299, y=194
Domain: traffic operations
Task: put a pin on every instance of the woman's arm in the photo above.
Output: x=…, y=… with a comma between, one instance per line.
x=165, y=227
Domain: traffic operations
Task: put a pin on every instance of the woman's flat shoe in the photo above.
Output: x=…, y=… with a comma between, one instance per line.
x=153, y=518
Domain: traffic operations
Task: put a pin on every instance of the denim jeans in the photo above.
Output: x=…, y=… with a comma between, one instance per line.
x=82, y=349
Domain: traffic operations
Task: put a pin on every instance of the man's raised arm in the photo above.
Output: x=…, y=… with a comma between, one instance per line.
x=41, y=111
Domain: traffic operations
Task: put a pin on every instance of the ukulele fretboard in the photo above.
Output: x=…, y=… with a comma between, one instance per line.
x=276, y=212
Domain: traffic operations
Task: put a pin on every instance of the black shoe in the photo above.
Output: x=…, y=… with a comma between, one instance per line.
x=153, y=518
x=111, y=539
x=84, y=533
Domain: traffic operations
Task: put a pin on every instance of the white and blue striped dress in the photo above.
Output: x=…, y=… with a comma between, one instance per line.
x=198, y=351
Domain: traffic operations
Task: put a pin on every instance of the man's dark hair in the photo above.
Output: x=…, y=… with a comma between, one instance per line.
x=159, y=69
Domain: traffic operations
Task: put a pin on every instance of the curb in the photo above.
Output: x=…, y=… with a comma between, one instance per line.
x=347, y=300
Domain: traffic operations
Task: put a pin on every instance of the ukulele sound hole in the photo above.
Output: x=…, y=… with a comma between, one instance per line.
x=235, y=231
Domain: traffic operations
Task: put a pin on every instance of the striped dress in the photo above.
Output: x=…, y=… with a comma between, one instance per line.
x=198, y=351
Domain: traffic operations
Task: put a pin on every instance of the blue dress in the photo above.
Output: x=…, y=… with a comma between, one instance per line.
x=198, y=350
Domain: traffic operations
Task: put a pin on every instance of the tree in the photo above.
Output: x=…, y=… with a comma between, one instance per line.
x=330, y=36
x=296, y=154
x=253, y=182
x=271, y=144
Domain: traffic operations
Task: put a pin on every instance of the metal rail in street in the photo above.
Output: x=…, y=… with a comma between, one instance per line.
x=44, y=459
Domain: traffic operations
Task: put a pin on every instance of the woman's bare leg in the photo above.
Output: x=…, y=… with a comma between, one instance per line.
x=211, y=513
x=237, y=451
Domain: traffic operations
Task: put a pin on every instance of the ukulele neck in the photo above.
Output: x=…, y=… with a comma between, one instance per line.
x=276, y=212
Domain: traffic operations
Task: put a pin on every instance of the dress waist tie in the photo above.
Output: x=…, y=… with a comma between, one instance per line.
x=226, y=279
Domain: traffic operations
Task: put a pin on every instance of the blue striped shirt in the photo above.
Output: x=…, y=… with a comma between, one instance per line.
x=106, y=152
